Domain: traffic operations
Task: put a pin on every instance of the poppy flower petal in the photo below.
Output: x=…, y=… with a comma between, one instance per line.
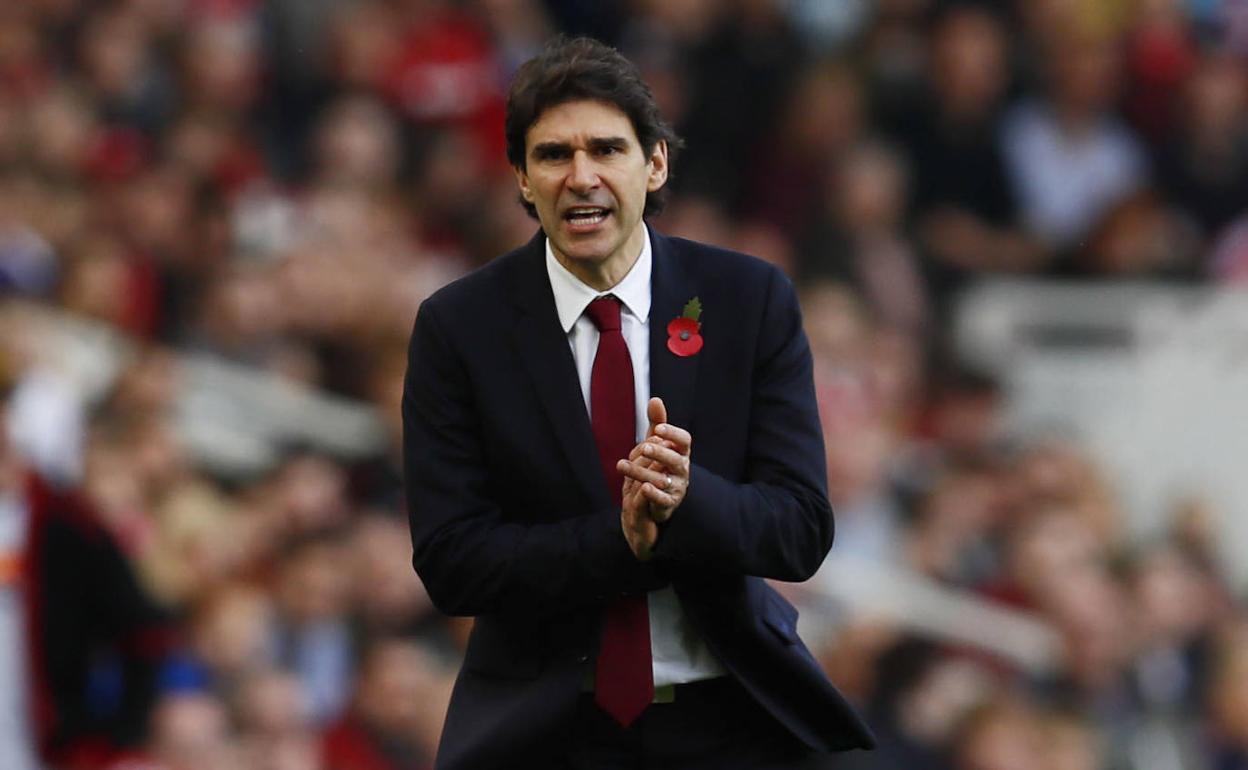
x=684, y=347
x=682, y=324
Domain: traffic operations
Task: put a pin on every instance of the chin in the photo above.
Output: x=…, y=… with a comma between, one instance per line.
x=586, y=249
x=585, y=255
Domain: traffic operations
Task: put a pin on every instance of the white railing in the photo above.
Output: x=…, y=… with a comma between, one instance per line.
x=233, y=419
x=1152, y=380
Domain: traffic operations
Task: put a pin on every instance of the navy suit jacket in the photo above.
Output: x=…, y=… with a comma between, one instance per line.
x=512, y=521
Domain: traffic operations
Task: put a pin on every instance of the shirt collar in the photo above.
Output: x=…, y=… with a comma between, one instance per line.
x=572, y=295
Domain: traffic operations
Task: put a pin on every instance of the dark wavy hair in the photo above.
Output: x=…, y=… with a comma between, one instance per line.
x=572, y=69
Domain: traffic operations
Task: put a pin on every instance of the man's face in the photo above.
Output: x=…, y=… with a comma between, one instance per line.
x=588, y=176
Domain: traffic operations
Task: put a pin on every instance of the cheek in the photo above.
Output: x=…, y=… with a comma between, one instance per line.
x=633, y=191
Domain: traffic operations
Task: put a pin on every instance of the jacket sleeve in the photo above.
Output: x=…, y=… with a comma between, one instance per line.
x=776, y=522
x=473, y=558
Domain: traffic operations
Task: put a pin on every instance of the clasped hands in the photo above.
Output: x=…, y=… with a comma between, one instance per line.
x=656, y=478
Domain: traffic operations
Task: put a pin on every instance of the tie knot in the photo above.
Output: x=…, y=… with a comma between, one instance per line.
x=605, y=313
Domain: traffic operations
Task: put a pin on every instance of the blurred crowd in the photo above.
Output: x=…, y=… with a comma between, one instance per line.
x=280, y=182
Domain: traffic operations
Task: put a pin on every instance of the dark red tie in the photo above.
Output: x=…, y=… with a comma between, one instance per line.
x=624, y=679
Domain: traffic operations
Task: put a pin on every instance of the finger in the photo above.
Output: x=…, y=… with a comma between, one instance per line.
x=674, y=461
x=643, y=474
x=679, y=436
x=656, y=412
x=643, y=462
x=632, y=493
x=636, y=451
x=658, y=496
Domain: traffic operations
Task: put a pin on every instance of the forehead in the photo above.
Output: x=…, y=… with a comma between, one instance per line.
x=578, y=121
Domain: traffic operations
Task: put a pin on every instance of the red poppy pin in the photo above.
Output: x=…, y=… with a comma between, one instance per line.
x=683, y=338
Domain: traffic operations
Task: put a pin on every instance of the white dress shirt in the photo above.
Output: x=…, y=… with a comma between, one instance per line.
x=678, y=653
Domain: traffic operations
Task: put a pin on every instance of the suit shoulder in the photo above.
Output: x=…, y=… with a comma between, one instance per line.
x=734, y=269
x=704, y=256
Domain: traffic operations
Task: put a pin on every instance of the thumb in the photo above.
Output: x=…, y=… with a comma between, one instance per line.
x=656, y=412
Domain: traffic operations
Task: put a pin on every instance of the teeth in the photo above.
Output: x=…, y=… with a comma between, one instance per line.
x=587, y=216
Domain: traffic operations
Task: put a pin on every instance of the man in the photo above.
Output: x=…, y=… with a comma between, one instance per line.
x=550, y=410
x=71, y=607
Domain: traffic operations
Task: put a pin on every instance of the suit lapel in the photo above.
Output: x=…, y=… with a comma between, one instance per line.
x=544, y=350
x=543, y=347
x=672, y=377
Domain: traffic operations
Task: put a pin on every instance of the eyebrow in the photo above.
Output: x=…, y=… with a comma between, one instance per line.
x=596, y=143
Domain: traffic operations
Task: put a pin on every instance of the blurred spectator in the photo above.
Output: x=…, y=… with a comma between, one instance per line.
x=396, y=716
x=314, y=638
x=1178, y=608
x=1068, y=157
x=732, y=65
x=362, y=40
x=521, y=28
x=234, y=635
x=1071, y=743
x=388, y=602
x=1002, y=735
x=357, y=145
x=963, y=420
x=83, y=643
x=276, y=729
x=818, y=122
x=921, y=700
x=27, y=261
x=1139, y=237
x=199, y=541
x=858, y=239
x=190, y=731
x=950, y=539
x=445, y=74
x=1227, y=701
x=1160, y=53
x=1203, y=169
x=114, y=49
x=968, y=214
x=1228, y=261
x=60, y=130
x=850, y=657
x=893, y=47
x=44, y=408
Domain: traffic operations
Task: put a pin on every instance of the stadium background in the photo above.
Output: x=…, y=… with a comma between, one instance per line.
x=1017, y=229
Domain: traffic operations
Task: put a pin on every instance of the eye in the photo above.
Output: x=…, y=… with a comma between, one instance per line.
x=607, y=150
x=552, y=153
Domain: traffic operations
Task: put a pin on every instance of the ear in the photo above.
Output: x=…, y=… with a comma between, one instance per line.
x=658, y=166
x=522, y=180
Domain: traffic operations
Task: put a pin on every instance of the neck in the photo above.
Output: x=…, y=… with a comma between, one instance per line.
x=603, y=275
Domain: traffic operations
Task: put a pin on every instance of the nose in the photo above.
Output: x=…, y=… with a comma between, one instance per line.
x=583, y=176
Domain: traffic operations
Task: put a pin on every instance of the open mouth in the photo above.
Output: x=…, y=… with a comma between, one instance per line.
x=586, y=216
